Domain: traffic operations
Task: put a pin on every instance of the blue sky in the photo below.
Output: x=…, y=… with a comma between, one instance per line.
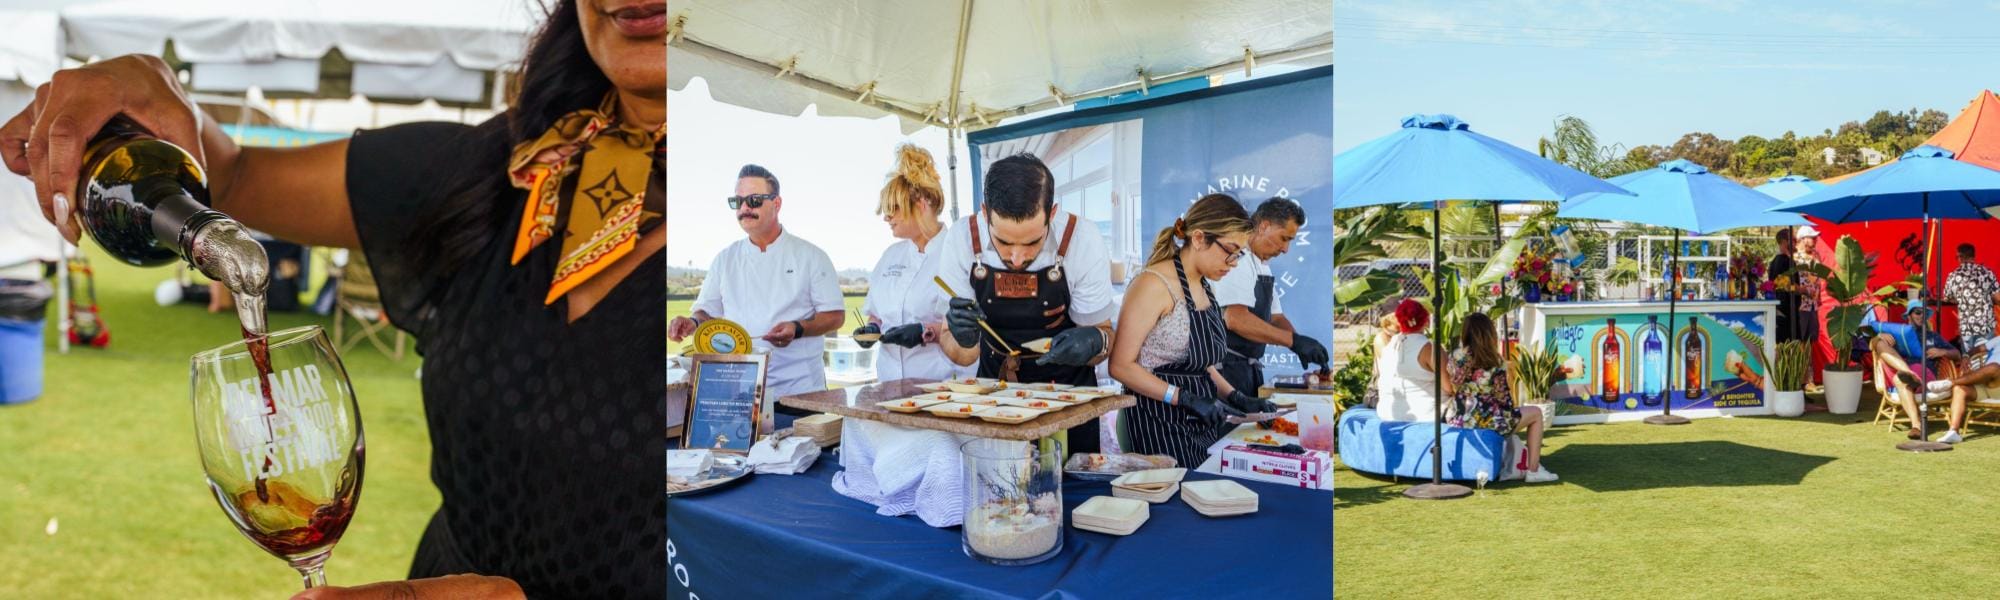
x=1647, y=72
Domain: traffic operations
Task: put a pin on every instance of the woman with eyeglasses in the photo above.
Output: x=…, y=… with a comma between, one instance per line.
x=1171, y=336
x=904, y=308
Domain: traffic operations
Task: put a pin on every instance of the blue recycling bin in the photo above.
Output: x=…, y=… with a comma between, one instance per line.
x=23, y=304
x=20, y=360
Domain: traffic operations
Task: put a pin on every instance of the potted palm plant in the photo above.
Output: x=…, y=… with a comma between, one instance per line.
x=1847, y=283
x=1788, y=379
x=1536, y=370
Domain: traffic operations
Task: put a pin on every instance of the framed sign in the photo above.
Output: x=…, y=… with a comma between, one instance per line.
x=727, y=407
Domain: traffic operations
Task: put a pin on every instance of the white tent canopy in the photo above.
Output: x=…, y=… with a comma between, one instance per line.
x=1001, y=58
x=400, y=48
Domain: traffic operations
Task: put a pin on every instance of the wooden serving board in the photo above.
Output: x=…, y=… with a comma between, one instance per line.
x=859, y=403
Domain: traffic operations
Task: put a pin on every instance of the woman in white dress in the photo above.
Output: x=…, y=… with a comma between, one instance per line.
x=1406, y=386
x=903, y=306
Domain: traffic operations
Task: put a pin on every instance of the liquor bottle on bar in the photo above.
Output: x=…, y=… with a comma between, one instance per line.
x=1610, y=363
x=1652, y=361
x=1722, y=282
x=145, y=201
x=1696, y=362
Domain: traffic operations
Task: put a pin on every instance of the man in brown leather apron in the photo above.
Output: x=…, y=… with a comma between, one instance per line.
x=1251, y=308
x=1029, y=271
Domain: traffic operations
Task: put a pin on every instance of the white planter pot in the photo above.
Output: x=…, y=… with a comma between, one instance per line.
x=1788, y=404
x=1843, y=391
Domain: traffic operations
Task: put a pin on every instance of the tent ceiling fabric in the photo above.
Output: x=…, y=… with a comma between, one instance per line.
x=30, y=46
x=1015, y=51
x=475, y=34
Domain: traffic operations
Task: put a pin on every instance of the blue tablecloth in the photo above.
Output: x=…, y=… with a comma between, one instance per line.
x=777, y=536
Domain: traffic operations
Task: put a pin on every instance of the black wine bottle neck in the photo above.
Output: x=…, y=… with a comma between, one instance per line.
x=176, y=220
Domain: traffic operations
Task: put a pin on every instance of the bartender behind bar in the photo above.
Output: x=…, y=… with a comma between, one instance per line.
x=1029, y=271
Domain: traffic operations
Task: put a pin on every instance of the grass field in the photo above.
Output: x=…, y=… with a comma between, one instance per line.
x=1821, y=506
x=108, y=453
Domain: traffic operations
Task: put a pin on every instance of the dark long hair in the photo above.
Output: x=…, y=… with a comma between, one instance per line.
x=1481, y=342
x=557, y=77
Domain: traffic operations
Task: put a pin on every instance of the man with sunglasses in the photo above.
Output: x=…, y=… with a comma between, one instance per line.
x=1251, y=309
x=774, y=284
x=1029, y=271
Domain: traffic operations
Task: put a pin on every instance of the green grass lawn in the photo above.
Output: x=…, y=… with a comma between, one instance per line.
x=1821, y=506
x=108, y=451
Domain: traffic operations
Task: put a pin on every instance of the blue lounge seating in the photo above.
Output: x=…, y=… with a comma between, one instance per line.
x=1403, y=449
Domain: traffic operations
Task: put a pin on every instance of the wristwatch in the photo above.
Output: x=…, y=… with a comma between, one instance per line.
x=798, y=330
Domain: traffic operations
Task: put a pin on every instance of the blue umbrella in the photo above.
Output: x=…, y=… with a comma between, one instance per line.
x=1432, y=159
x=1438, y=157
x=1924, y=183
x=1789, y=187
x=1686, y=197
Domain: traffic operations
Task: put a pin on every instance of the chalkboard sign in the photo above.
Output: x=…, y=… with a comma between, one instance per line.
x=727, y=410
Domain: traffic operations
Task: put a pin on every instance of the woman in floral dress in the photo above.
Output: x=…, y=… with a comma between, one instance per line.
x=1477, y=386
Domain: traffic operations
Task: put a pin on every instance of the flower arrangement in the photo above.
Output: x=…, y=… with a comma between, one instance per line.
x=1746, y=272
x=1535, y=274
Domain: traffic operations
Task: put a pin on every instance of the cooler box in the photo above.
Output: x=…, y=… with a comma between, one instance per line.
x=1403, y=449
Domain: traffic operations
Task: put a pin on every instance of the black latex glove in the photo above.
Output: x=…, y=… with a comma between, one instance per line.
x=963, y=320
x=1248, y=403
x=907, y=336
x=869, y=328
x=1074, y=347
x=1210, y=408
x=1309, y=350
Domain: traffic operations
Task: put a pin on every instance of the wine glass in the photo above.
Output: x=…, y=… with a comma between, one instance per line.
x=280, y=441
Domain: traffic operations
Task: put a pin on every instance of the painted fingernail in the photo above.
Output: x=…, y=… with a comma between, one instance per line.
x=62, y=207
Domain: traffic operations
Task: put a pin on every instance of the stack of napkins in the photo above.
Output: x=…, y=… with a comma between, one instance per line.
x=823, y=428
x=783, y=457
x=1152, y=485
x=1110, y=516
x=1219, y=498
x=688, y=464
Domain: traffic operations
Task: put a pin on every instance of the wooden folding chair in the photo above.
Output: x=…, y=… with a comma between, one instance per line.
x=358, y=300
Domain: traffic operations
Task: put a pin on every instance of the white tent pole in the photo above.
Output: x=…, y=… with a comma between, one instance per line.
x=953, y=127
x=63, y=297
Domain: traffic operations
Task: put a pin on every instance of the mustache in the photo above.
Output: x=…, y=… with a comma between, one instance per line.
x=749, y=216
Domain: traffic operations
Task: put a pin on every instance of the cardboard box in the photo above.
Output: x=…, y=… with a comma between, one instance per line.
x=1311, y=470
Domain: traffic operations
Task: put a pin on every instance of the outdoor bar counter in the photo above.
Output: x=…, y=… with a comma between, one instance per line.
x=1623, y=360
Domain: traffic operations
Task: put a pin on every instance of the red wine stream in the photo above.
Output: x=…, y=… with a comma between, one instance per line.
x=259, y=345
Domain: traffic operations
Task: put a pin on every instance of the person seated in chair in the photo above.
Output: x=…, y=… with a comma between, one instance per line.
x=1981, y=370
x=1894, y=376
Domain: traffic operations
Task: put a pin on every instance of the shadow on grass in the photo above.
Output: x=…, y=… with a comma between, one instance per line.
x=1634, y=467
x=1355, y=497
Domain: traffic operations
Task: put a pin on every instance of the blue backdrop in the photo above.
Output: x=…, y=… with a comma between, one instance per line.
x=1253, y=140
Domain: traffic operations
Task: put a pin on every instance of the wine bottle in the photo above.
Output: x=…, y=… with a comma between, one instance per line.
x=1611, y=359
x=1696, y=362
x=145, y=201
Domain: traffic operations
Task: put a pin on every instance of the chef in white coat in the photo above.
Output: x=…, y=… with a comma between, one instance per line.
x=904, y=306
x=781, y=288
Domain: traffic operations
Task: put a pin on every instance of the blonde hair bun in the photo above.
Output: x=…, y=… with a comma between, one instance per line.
x=914, y=165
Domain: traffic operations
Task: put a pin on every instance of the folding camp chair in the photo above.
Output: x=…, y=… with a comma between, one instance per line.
x=359, y=301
